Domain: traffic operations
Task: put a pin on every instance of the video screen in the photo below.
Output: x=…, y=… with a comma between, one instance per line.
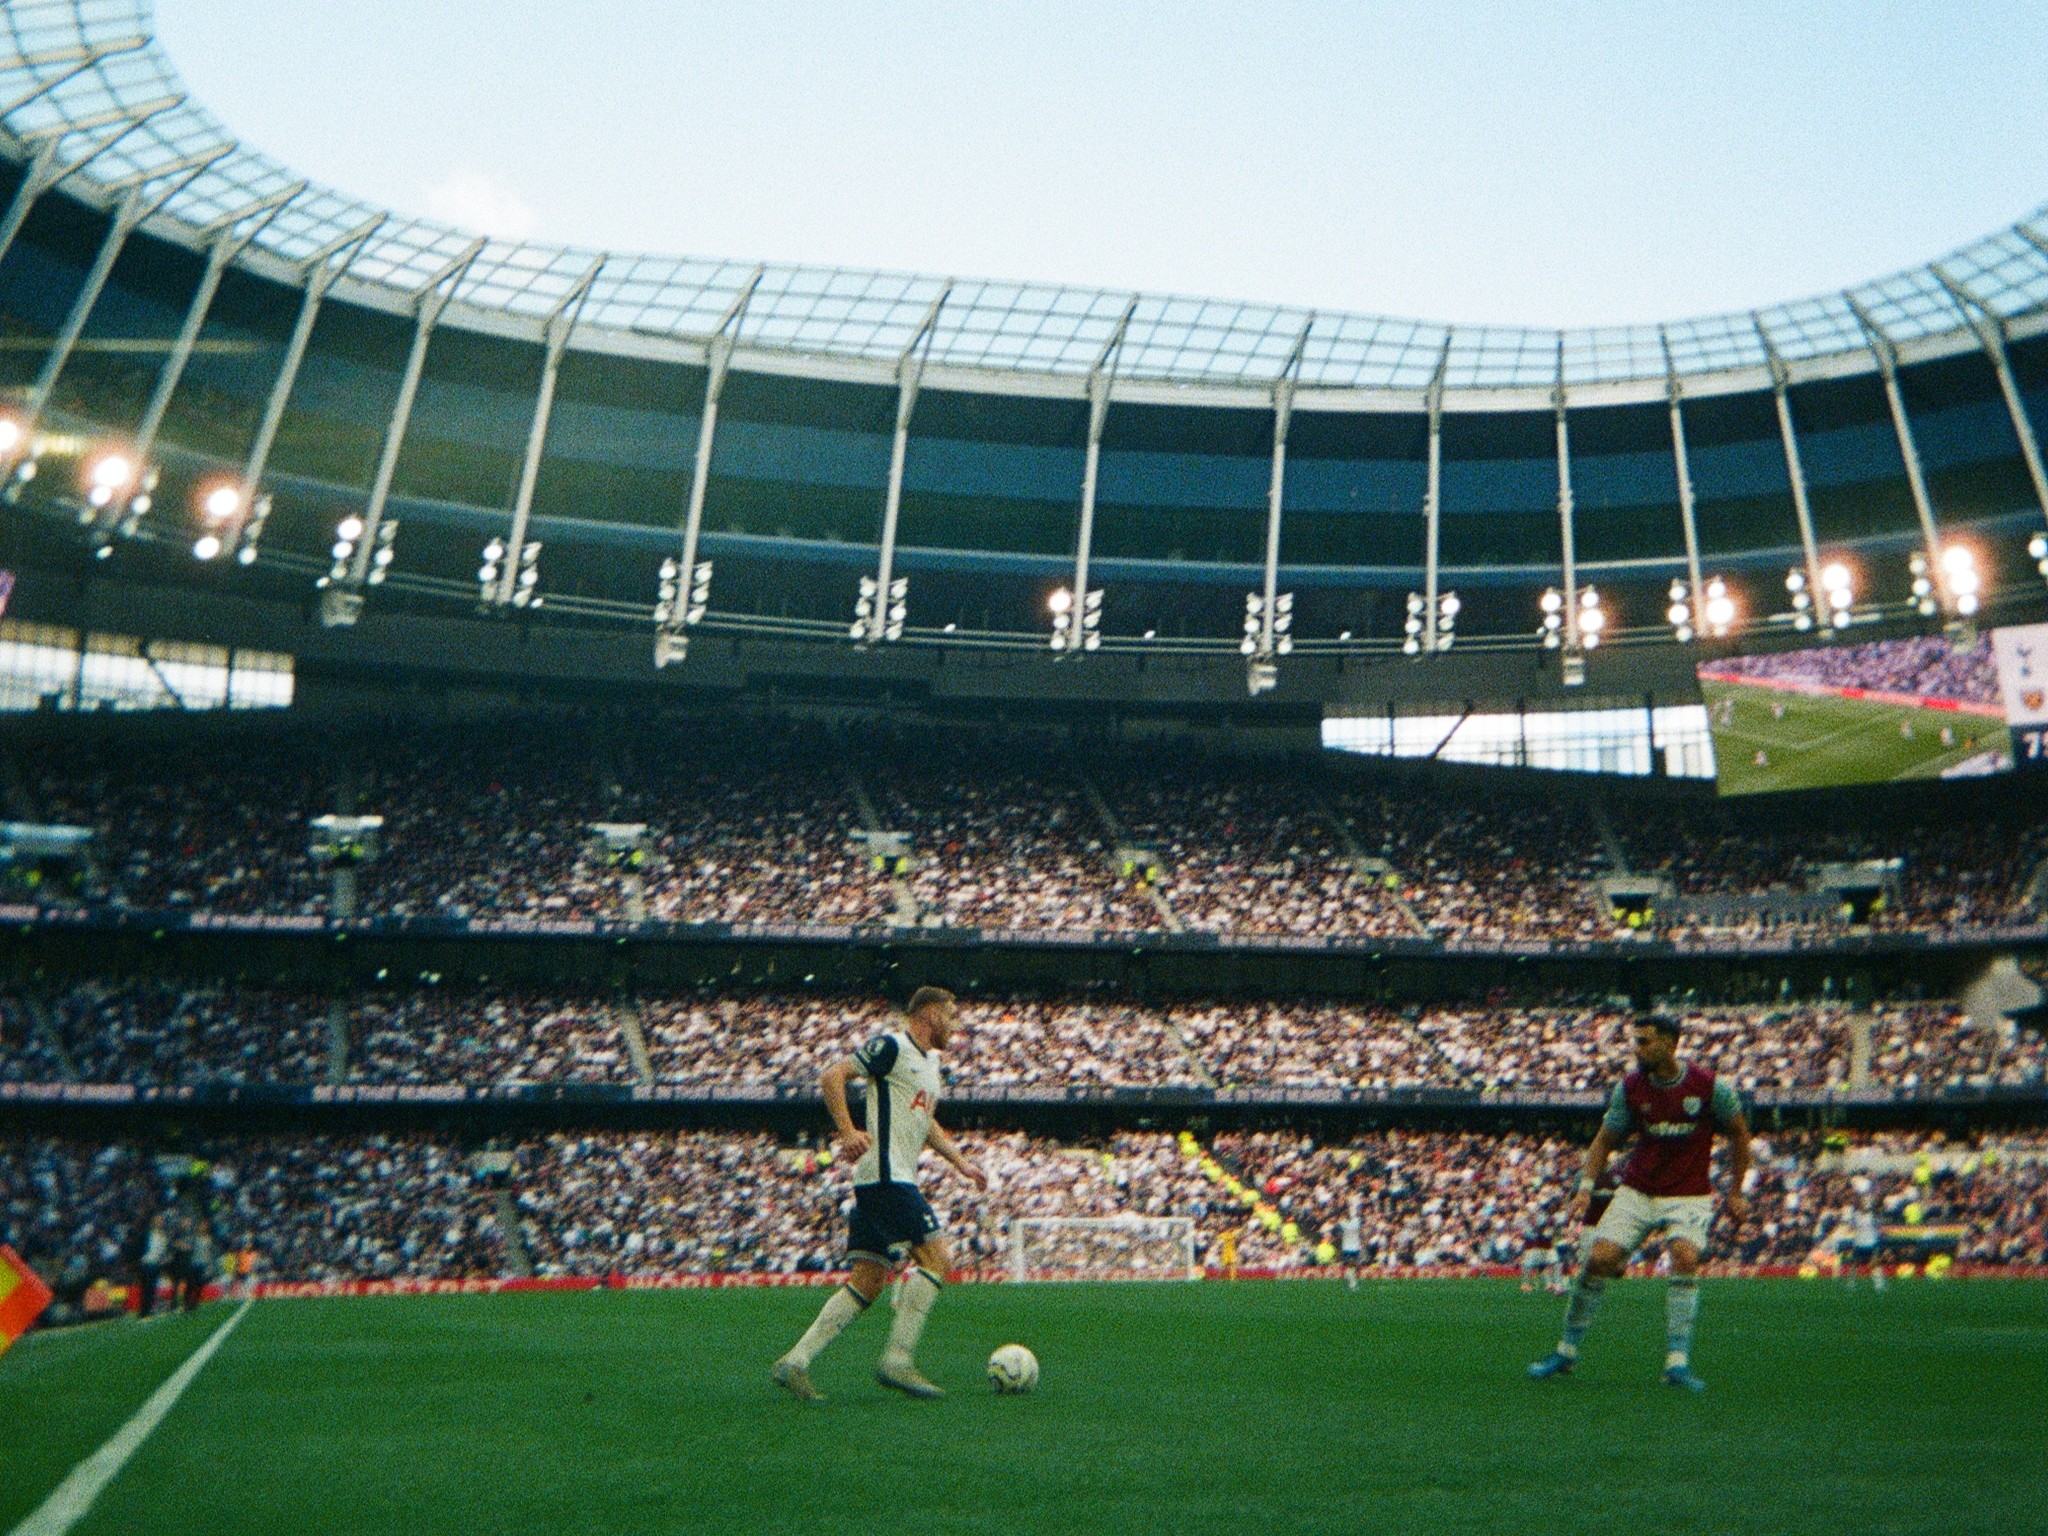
x=1921, y=708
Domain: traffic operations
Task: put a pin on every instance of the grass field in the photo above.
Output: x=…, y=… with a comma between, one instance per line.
x=1189, y=1409
x=1818, y=741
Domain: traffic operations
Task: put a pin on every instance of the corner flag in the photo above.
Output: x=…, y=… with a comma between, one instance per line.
x=22, y=1297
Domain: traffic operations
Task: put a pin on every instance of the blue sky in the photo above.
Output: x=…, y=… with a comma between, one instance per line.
x=1552, y=164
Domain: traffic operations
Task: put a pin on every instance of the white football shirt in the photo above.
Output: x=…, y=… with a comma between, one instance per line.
x=903, y=1095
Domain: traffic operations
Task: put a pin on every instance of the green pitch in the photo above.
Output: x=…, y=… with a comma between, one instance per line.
x=1182, y=1410
x=1820, y=741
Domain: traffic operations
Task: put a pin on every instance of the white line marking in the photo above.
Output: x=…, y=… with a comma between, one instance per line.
x=67, y=1506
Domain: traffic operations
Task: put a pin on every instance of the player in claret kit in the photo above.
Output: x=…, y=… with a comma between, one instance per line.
x=1674, y=1108
x=890, y=1214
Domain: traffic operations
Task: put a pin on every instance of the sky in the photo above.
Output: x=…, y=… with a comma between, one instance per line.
x=1564, y=163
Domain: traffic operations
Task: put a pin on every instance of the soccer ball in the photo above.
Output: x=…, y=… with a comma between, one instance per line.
x=1013, y=1368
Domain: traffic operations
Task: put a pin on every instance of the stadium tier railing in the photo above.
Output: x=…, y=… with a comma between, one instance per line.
x=1806, y=941
x=968, y=1100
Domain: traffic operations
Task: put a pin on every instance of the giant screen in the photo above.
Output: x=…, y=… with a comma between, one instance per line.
x=1921, y=708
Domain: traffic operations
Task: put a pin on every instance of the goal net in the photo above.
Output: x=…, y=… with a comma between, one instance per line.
x=1102, y=1248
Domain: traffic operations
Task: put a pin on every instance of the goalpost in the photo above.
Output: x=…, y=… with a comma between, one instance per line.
x=1103, y=1248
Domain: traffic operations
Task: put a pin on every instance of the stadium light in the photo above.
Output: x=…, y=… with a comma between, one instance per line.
x=2037, y=546
x=1838, y=587
x=252, y=530
x=1802, y=600
x=1551, y=630
x=221, y=503
x=10, y=434
x=1592, y=618
x=108, y=475
x=1716, y=616
x=1960, y=575
x=206, y=546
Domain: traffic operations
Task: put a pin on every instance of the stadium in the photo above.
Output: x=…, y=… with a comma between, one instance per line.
x=486, y=727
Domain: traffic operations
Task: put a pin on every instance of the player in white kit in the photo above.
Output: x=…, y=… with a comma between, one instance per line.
x=1351, y=1244
x=890, y=1214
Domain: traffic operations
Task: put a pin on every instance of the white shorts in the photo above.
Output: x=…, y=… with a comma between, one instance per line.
x=1633, y=1216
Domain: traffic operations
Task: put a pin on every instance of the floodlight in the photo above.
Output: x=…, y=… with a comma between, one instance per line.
x=1448, y=606
x=221, y=503
x=1060, y=600
x=246, y=555
x=141, y=504
x=10, y=434
x=1721, y=611
x=342, y=549
x=1592, y=621
x=1552, y=600
x=1834, y=576
x=350, y=527
x=1958, y=558
x=2037, y=546
x=1677, y=591
x=111, y=471
x=1415, y=602
x=1678, y=614
x=1795, y=581
x=205, y=547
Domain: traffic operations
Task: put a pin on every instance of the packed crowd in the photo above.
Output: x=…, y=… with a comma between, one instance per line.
x=668, y=1202
x=1925, y=666
x=763, y=825
x=149, y=1032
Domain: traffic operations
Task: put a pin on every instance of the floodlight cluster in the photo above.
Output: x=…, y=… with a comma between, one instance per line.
x=525, y=584
x=874, y=620
x=1415, y=633
x=1716, y=615
x=1255, y=626
x=1074, y=630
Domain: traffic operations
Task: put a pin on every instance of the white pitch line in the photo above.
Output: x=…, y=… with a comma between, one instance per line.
x=68, y=1505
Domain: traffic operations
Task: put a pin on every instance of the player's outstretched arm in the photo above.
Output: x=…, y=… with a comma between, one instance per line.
x=1597, y=1156
x=833, y=1086
x=1740, y=1162
x=940, y=1140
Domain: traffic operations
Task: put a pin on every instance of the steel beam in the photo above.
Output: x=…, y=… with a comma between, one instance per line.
x=1567, y=532
x=1990, y=331
x=79, y=58
x=44, y=170
x=434, y=295
x=1101, y=378
x=909, y=372
x=1781, y=379
x=560, y=322
x=1433, y=501
x=1688, y=506
x=321, y=270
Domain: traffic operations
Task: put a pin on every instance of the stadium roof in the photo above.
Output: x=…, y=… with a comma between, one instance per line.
x=86, y=92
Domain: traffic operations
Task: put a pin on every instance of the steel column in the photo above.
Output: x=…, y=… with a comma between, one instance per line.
x=1780, y=381
x=909, y=371
x=1567, y=535
x=1432, y=501
x=126, y=216
x=1887, y=355
x=1101, y=378
x=224, y=248
x=559, y=324
x=1991, y=336
x=718, y=361
x=1276, y=484
x=321, y=271
x=433, y=298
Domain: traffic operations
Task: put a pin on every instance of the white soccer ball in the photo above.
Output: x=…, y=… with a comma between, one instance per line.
x=1013, y=1368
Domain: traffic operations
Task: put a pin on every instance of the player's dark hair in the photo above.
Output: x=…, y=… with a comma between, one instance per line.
x=928, y=997
x=1666, y=1024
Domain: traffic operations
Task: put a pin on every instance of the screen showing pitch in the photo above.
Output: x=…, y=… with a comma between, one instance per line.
x=1922, y=708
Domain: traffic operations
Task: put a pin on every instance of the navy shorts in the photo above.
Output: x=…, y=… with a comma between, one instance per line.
x=888, y=1219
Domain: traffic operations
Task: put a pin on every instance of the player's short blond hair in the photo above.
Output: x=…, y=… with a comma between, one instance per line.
x=929, y=997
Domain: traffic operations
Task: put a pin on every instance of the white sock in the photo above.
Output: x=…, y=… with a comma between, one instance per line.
x=920, y=1290
x=841, y=1308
